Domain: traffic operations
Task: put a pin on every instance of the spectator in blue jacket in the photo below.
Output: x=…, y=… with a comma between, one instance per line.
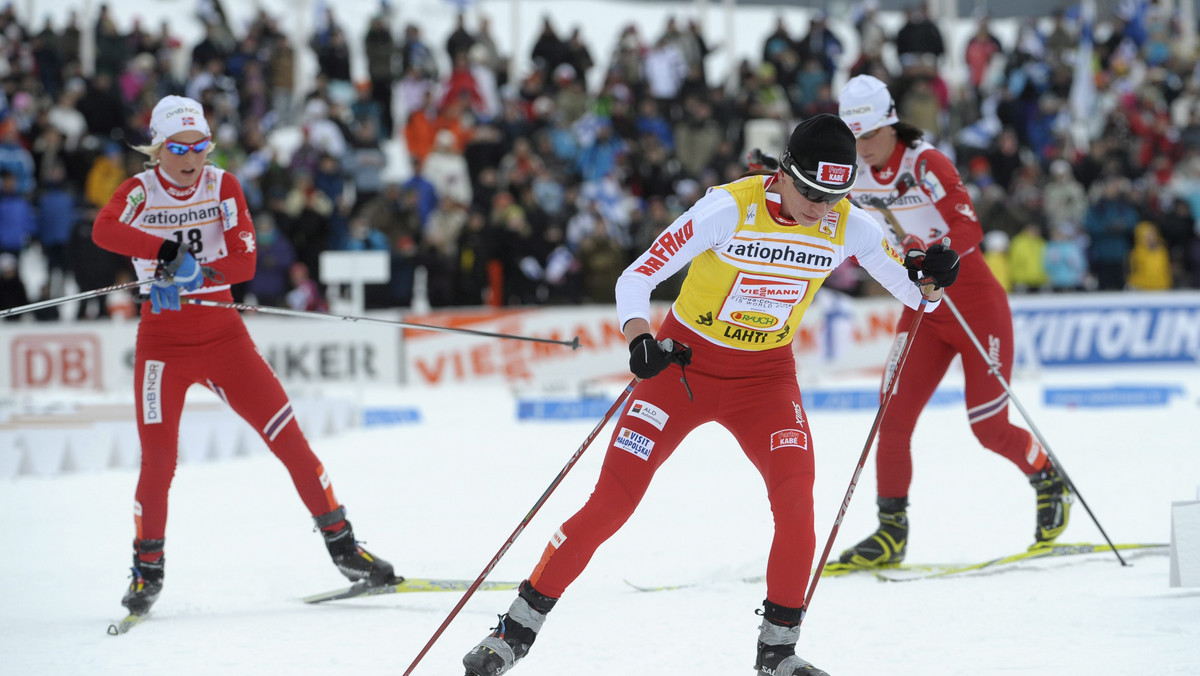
x=1110, y=223
x=17, y=224
x=270, y=283
x=14, y=158
x=56, y=205
x=1065, y=259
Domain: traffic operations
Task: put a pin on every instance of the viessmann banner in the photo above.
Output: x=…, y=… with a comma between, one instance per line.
x=839, y=335
x=1126, y=329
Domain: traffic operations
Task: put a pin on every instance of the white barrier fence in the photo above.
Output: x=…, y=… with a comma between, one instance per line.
x=66, y=392
x=89, y=436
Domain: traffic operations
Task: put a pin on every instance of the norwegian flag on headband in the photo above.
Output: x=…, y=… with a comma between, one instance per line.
x=835, y=174
x=188, y=121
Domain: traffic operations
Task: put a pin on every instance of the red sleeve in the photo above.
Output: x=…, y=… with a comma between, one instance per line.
x=941, y=182
x=238, y=263
x=112, y=231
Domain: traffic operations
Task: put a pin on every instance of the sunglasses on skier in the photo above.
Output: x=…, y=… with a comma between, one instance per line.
x=177, y=148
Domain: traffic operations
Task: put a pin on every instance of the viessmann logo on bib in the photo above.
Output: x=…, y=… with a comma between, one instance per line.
x=762, y=302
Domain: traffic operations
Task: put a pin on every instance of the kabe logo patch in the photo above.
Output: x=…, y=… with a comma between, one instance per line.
x=152, y=412
x=789, y=438
x=635, y=443
x=837, y=174
x=648, y=412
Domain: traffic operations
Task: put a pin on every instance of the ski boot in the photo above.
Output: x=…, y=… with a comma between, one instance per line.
x=511, y=638
x=147, y=582
x=777, y=638
x=356, y=563
x=888, y=544
x=1053, y=504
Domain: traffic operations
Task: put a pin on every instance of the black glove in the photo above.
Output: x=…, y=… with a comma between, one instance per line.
x=649, y=357
x=938, y=265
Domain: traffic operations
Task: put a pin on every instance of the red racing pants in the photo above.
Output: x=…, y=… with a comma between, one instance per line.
x=939, y=338
x=756, y=397
x=210, y=347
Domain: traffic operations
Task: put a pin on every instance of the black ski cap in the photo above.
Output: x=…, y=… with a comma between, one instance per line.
x=821, y=157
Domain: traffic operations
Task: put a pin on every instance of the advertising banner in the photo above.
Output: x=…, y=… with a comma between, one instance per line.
x=98, y=356
x=1107, y=329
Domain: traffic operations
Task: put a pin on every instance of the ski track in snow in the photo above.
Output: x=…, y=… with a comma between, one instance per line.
x=439, y=499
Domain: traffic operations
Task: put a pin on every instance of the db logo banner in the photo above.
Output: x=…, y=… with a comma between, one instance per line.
x=56, y=360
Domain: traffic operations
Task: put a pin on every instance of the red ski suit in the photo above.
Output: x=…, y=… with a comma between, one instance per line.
x=925, y=194
x=752, y=275
x=208, y=346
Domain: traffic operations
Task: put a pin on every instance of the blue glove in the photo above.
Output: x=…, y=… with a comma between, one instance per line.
x=185, y=271
x=163, y=295
x=181, y=272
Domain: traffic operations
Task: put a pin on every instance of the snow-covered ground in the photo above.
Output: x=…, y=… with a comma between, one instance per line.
x=439, y=499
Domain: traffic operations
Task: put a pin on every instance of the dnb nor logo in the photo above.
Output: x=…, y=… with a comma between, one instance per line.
x=70, y=360
x=759, y=320
x=649, y=412
x=152, y=410
x=789, y=439
x=635, y=443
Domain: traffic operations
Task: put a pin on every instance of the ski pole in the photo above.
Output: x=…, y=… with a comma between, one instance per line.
x=889, y=390
x=265, y=309
x=524, y=522
x=83, y=295
x=995, y=370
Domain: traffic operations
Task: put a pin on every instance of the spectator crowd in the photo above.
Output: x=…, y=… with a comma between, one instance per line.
x=541, y=189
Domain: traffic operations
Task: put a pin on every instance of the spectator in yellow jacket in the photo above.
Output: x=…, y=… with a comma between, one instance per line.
x=1027, y=259
x=1149, y=261
x=995, y=254
x=105, y=176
